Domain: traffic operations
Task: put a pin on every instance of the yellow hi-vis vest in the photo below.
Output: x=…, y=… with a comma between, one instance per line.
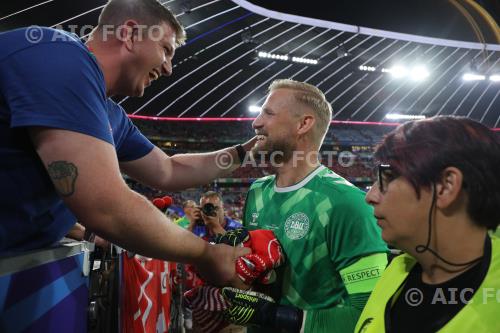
x=480, y=315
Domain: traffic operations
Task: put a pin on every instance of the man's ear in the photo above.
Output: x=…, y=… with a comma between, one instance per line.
x=128, y=33
x=306, y=123
x=449, y=188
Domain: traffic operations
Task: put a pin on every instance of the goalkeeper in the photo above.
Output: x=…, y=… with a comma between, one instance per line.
x=333, y=248
x=214, y=309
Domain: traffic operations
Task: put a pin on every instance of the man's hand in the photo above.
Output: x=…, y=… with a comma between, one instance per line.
x=217, y=266
x=196, y=213
x=259, y=265
x=249, y=144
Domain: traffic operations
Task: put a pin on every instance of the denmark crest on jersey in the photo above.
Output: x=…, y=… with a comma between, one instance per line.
x=296, y=226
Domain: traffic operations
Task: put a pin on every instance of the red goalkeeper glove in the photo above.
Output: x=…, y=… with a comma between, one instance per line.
x=266, y=254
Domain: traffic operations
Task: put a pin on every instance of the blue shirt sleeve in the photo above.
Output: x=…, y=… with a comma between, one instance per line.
x=130, y=143
x=58, y=85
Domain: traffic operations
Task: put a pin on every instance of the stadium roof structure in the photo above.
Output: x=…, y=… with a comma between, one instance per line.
x=236, y=48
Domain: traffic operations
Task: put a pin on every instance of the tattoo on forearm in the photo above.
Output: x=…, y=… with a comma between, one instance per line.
x=63, y=175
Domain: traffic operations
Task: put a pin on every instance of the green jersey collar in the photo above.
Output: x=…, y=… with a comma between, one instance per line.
x=300, y=184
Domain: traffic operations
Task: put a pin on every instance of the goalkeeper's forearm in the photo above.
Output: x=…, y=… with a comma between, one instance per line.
x=294, y=320
x=285, y=319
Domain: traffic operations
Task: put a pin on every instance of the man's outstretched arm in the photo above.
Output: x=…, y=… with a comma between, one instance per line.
x=86, y=174
x=182, y=171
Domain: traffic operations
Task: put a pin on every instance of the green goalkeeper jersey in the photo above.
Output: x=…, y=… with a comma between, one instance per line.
x=323, y=225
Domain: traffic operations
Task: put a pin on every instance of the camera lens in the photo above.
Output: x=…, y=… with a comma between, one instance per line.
x=209, y=209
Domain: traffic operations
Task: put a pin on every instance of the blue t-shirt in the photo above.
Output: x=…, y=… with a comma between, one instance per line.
x=53, y=82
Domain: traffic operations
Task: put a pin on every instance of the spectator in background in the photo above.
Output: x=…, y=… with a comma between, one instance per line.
x=436, y=197
x=191, y=215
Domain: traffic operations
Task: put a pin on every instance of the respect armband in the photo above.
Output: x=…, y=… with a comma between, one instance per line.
x=362, y=276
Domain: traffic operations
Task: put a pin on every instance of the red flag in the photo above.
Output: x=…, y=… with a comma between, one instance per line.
x=146, y=295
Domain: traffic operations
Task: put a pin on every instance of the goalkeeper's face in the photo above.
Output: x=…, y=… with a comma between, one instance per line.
x=275, y=127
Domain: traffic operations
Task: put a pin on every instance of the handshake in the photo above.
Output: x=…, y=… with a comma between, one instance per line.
x=266, y=254
x=215, y=308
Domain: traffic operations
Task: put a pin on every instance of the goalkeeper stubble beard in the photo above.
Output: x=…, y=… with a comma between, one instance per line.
x=273, y=153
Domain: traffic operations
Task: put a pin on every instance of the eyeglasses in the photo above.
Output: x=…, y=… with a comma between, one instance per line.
x=385, y=175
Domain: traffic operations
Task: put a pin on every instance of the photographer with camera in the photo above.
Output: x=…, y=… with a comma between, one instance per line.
x=212, y=219
x=205, y=221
